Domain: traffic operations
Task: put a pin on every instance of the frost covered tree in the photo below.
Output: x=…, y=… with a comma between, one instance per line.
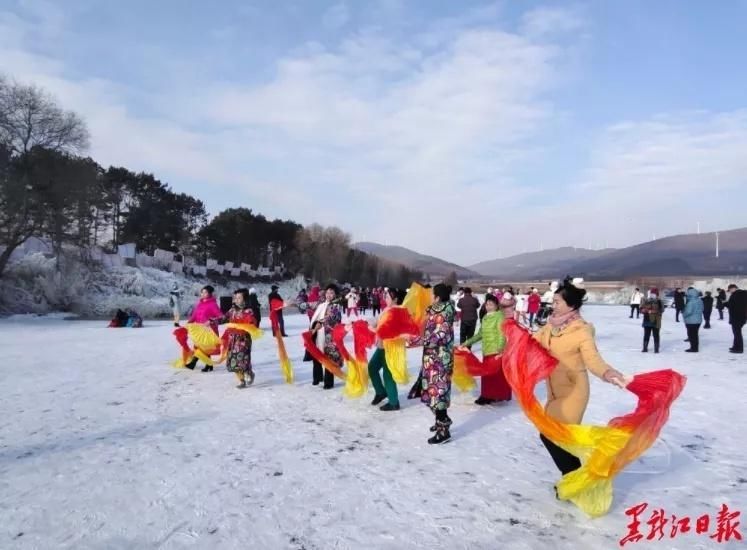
x=31, y=123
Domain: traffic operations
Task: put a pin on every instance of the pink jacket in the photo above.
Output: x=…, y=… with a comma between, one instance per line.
x=206, y=309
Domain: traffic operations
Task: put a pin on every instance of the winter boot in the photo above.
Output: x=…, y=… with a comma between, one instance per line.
x=442, y=434
x=191, y=364
x=389, y=407
x=483, y=401
x=447, y=421
x=378, y=399
x=207, y=368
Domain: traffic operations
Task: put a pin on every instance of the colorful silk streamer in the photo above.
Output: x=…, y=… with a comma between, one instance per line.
x=205, y=340
x=318, y=355
x=395, y=326
x=363, y=338
x=473, y=366
x=417, y=301
x=285, y=364
x=356, y=381
x=461, y=377
x=604, y=450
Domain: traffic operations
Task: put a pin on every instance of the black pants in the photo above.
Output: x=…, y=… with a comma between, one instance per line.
x=707, y=318
x=692, y=336
x=281, y=324
x=466, y=330
x=565, y=461
x=635, y=308
x=677, y=314
x=738, y=342
x=321, y=374
x=375, y=310
x=720, y=313
x=647, y=332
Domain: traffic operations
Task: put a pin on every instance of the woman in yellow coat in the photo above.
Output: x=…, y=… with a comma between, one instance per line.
x=570, y=340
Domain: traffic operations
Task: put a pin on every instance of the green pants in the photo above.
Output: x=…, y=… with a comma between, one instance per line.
x=388, y=387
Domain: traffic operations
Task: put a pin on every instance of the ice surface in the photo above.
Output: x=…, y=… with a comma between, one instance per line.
x=104, y=445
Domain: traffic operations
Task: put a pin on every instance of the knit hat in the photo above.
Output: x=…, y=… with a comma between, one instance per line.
x=252, y=290
x=654, y=290
x=508, y=300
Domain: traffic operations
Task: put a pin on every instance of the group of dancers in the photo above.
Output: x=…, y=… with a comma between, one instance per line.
x=562, y=353
x=566, y=335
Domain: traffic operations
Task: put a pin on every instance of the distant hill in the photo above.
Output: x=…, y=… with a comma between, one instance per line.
x=526, y=265
x=691, y=254
x=415, y=260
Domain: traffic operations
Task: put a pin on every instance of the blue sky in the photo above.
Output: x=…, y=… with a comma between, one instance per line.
x=467, y=130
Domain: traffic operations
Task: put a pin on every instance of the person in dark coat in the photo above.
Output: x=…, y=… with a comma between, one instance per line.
x=720, y=302
x=737, y=305
x=652, y=309
x=679, y=303
x=275, y=296
x=469, y=306
x=253, y=304
x=122, y=318
x=707, y=309
x=364, y=301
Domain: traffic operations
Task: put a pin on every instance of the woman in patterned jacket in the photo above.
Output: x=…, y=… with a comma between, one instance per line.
x=328, y=314
x=438, y=360
x=239, y=358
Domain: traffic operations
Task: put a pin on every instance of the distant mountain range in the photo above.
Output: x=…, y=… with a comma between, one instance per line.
x=521, y=266
x=414, y=260
x=691, y=254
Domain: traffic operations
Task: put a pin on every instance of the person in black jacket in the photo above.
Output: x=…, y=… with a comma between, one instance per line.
x=254, y=305
x=469, y=306
x=679, y=303
x=707, y=309
x=720, y=302
x=737, y=305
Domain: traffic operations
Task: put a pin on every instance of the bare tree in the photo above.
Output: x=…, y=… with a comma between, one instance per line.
x=29, y=120
x=30, y=117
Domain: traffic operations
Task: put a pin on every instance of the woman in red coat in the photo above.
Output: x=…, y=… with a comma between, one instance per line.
x=533, y=305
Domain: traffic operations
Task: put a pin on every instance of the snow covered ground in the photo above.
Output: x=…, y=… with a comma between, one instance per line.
x=103, y=445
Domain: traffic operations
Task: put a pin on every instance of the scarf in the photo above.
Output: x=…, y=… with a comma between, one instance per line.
x=319, y=314
x=559, y=322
